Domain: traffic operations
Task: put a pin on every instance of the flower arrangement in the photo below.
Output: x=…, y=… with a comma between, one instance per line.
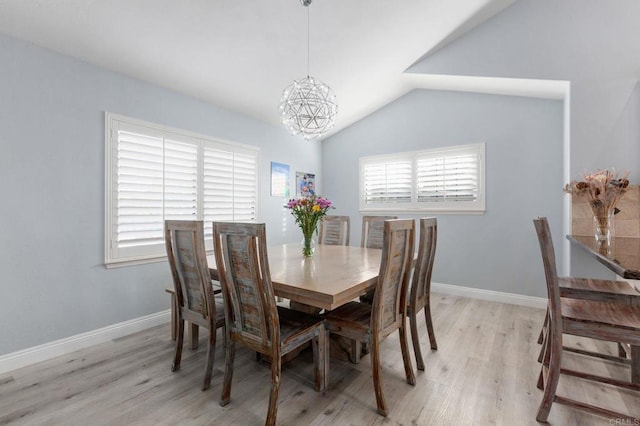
x=308, y=211
x=604, y=188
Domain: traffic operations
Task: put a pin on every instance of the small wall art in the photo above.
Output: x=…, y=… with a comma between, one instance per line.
x=279, y=179
x=305, y=184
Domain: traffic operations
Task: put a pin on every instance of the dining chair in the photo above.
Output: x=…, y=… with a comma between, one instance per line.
x=586, y=318
x=195, y=301
x=420, y=293
x=251, y=313
x=372, y=231
x=599, y=290
x=367, y=323
x=334, y=230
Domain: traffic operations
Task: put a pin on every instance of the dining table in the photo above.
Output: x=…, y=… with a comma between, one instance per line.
x=333, y=276
x=620, y=254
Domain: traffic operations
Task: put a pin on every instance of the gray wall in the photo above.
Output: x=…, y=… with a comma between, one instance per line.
x=496, y=250
x=53, y=282
x=593, y=44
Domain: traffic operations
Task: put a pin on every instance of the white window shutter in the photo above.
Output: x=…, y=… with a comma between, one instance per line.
x=447, y=178
x=139, y=190
x=230, y=187
x=438, y=180
x=154, y=174
x=388, y=182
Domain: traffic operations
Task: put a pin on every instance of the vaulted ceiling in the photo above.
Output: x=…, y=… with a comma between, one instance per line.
x=240, y=55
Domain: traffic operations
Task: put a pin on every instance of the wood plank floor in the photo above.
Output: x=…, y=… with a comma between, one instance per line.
x=484, y=373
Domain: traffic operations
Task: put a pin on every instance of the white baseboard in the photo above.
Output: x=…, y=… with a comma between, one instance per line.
x=493, y=296
x=50, y=350
x=60, y=347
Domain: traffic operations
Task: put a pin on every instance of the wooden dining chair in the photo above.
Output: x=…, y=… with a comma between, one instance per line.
x=195, y=301
x=613, y=291
x=373, y=230
x=252, y=316
x=586, y=318
x=420, y=294
x=367, y=323
x=372, y=236
x=334, y=230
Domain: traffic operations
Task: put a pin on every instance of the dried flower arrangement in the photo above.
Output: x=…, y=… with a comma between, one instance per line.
x=604, y=188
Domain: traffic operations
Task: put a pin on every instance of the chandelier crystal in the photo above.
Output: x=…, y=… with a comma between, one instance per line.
x=308, y=106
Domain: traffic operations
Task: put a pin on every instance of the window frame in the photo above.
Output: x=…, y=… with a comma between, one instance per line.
x=115, y=122
x=477, y=206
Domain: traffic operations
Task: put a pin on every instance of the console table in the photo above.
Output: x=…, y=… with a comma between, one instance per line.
x=621, y=255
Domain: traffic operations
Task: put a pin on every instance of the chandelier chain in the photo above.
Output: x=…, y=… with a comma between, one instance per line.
x=308, y=44
x=308, y=106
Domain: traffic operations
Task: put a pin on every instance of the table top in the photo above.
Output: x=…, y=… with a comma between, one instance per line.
x=621, y=255
x=334, y=275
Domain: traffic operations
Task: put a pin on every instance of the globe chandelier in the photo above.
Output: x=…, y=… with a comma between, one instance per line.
x=308, y=106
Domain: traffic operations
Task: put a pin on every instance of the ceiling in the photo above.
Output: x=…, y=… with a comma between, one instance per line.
x=240, y=55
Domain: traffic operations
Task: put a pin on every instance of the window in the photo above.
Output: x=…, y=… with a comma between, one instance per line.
x=437, y=180
x=155, y=173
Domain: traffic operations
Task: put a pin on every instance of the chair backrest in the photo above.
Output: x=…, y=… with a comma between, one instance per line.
x=250, y=305
x=184, y=242
x=550, y=271
x=372, y=230
x=395, y=268
x=334, y=230
x=421, y=285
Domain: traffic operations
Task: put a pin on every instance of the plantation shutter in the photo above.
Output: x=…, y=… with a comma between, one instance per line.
x=437, y=180
x=154, y=174
x=139, y=190
x=230, y=190
x=451, y=177
x=388, y=182
x=157, y=180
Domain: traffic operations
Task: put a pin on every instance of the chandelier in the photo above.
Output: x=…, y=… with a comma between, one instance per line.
x=308, y=106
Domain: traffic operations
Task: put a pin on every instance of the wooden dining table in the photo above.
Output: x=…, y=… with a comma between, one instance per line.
x=333, y=276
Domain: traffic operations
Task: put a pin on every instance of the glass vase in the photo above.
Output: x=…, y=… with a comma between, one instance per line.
x=602, y=222
x=308, y=245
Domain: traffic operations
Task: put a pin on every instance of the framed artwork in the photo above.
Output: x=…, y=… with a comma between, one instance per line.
x=305, y=184
x=279, y=179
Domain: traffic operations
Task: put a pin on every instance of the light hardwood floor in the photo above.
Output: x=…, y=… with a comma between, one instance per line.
x=484, y=373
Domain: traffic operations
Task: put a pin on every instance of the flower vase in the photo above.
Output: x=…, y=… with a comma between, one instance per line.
x=308, y=246
x=602, y=221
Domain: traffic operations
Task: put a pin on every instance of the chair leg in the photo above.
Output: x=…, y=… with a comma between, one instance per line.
x=543, y=356
x=193, y=335
x=228, y=372
x=555, y=355
x=544, y=333
x=540, y=384
x=376, y=368
x=416, y=342
x=211, y=354
x=179, y=338
x=544, y=325
x=174, y=316
x=272, y=413
x=406, y=358
x=432, y=334
x=356, y=351
x=635, y=364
